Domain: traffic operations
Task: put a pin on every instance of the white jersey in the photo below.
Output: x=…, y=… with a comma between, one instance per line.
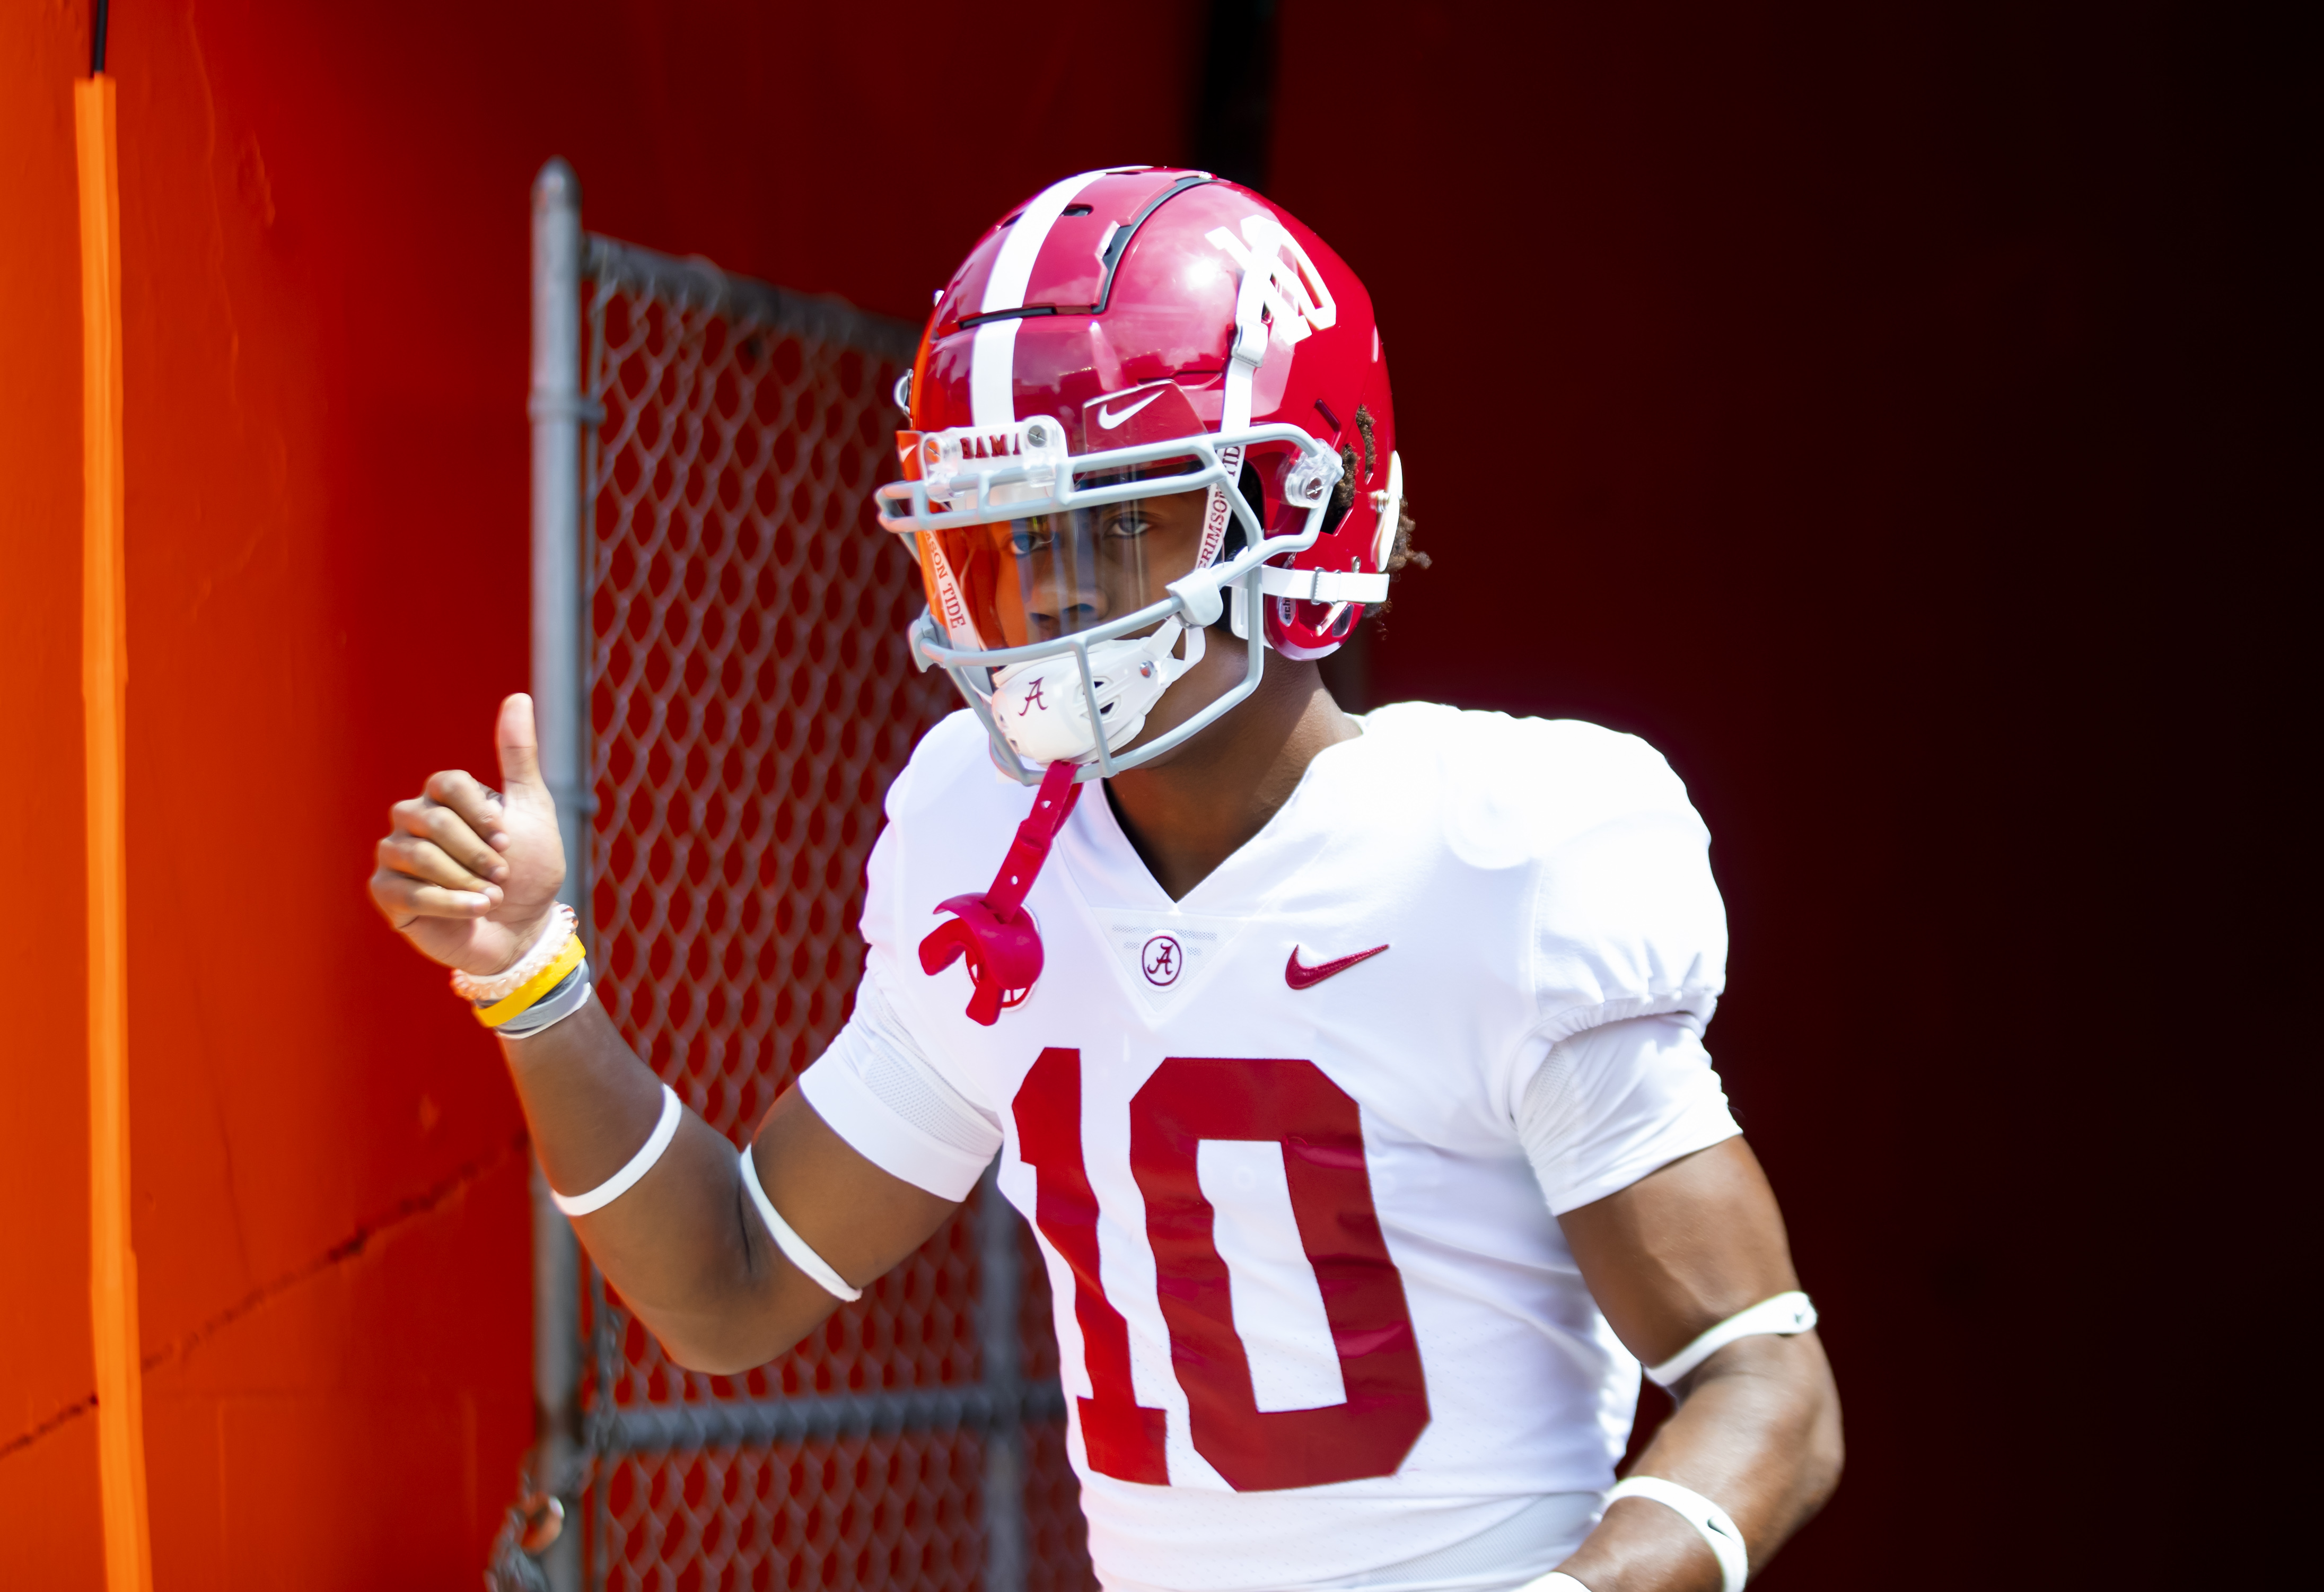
x=1316, y=1315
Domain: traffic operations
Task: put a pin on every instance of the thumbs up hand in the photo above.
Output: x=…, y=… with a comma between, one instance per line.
x=468, y=874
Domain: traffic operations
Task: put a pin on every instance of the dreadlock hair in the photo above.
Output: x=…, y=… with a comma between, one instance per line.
x=1354, y=467
x=1401, y=556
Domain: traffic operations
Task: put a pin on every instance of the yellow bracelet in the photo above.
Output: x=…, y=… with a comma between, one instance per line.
x=537, y=986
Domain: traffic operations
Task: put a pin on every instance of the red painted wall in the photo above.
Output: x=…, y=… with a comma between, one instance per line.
x=47, y=1446
x=325, y=214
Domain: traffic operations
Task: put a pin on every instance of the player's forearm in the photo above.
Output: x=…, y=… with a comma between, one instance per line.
x=682, y=1245
x=1758, y=1432
x=469, y=876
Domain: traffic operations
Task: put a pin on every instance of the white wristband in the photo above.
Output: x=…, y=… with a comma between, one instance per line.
x=1783, y=1316
x=1715, y=1525
x=624, y=1180
x=552, y=1009
x=1556, y=1581
x=817, y=1269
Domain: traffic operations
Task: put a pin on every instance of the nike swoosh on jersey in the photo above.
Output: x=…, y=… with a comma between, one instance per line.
x=1299, y=977
x=1110, y=420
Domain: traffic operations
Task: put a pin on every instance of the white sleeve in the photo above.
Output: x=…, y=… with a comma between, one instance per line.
x=876, y=1089
x=1614, y=1103
x=1629, y=923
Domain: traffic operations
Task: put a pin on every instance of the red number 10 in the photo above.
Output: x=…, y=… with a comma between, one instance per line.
x=1187, y=1100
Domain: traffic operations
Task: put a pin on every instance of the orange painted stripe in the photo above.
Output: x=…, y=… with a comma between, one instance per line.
x=104, y=677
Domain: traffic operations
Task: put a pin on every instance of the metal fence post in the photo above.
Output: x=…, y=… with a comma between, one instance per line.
x=1004, y=1440
x=681, y=327
x=555, y=408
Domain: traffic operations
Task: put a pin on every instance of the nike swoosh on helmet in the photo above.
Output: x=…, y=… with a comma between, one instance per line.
x=1110, y=420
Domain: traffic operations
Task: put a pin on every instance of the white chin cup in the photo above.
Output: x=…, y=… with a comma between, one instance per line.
x=1042, y=708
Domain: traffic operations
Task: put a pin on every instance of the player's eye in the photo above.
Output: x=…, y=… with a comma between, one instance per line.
x=1127, y=524
x=1028, y=537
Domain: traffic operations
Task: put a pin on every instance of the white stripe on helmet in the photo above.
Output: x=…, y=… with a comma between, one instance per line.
x=992, y=375
x=992, y=357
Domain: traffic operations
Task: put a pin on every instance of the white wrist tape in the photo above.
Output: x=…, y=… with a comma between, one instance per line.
x=624, y=1180
x=1783, y=1316
x=1715, y=1525
x=817, y=1269
x=1556, y=1581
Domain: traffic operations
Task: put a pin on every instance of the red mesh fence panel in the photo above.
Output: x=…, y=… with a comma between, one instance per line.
x=1057, y=1538
x=892, y=1510
x=750, y=699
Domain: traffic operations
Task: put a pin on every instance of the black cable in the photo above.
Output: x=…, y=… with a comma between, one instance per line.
x=97, y=41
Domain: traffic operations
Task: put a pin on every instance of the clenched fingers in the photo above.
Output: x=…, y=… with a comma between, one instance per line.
x=430, y=862
x=444, y=827
x=405, y=900
x=479, y=806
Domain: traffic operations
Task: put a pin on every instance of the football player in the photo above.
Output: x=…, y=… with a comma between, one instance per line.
x=1351, y=1070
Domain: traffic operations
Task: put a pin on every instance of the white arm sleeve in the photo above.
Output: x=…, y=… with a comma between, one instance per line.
x=1613, y=1103
x=877, y=1090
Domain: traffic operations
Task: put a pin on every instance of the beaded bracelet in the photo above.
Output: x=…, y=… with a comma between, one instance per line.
x=498, y=987
x=569, y=955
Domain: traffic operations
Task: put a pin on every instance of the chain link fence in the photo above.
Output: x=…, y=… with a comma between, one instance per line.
x=749, y=698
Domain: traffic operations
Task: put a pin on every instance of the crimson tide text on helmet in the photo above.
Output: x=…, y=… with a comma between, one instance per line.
x=1146, y=396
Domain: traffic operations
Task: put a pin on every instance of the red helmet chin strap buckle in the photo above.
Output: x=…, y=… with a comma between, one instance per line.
x=994, y=930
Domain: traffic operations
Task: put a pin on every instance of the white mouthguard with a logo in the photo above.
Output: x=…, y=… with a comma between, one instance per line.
x=1042, y=710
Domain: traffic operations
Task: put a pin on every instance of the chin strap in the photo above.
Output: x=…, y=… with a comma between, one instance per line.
x=994, y=930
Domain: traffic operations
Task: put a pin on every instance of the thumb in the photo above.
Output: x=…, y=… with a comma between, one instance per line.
x=520, y=744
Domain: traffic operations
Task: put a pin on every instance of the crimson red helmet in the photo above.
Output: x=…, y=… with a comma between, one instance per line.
x=1146, y=395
